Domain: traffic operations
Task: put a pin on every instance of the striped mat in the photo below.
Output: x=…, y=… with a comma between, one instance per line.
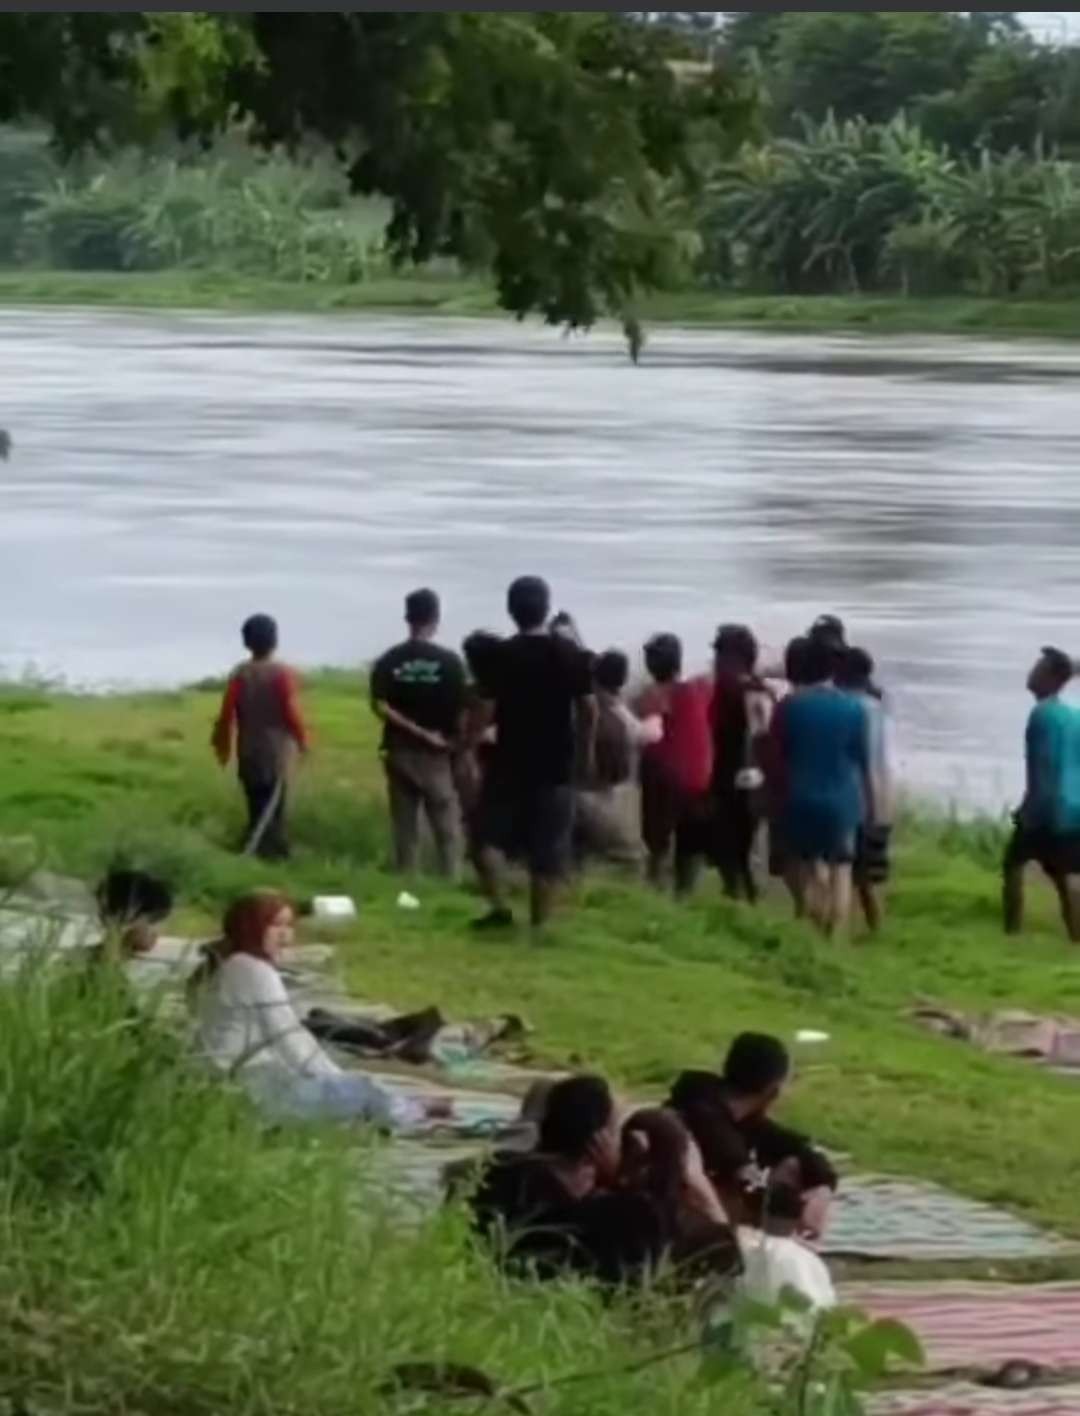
x=977, y=1401
x=880, y=1218
x=981, y=1325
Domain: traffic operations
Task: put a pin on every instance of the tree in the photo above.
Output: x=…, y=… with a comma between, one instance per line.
x=545, y=146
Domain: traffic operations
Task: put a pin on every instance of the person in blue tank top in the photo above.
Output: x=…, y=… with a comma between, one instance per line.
x=1048, y=821
x=825, y=789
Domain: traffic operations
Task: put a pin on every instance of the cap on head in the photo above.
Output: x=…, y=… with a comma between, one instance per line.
x=756, y=1063
x=528, y=602
x=422, y=609
x=260, y=635
x=736, y=643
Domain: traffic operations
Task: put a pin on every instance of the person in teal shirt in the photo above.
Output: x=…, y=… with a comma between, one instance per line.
x=1048, y=821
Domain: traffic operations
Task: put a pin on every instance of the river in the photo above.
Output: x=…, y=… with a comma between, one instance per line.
x=172, y=473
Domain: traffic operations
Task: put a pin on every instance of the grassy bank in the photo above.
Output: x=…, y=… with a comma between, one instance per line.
x=628, y=983
x=423, y=293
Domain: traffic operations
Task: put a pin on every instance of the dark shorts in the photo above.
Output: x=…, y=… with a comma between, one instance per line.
x=814, y=831
x=735, y=821
x=1058, y=855
x=673, y=816
x=531, y=824
x=872, y=861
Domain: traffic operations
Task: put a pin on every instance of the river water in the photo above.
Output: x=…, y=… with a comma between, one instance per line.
x=172, y=473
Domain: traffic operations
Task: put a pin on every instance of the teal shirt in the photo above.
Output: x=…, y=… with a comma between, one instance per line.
x=1053, y=769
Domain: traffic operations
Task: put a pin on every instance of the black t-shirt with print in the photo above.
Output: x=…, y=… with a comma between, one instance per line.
x=535, y=682
x=423, y=682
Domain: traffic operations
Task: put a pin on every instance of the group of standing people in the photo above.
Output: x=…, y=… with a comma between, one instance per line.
x=530, y=744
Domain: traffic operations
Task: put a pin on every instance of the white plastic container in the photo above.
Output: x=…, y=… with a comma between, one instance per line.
x=333, y=909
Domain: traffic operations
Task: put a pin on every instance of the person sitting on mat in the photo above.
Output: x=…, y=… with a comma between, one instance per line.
x=774, y=1259
x=557, y=1210
x=261, y=703
x=661, y=1160
x=248, y=1028
x=729, y=1117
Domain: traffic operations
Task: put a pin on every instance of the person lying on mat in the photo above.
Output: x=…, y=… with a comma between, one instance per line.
x=557, y=1210
x=729, y=1117
x=248, y=1027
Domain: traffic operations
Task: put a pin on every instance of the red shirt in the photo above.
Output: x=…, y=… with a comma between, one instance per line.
x=685, y=754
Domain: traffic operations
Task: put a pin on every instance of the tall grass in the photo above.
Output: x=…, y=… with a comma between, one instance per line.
x=228, y=212
x=161, y=1252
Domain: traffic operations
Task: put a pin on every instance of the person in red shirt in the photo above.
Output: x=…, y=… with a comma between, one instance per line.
x=676, y=773
x=261, y=709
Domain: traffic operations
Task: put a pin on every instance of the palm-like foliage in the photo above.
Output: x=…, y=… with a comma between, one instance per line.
x=858, y=206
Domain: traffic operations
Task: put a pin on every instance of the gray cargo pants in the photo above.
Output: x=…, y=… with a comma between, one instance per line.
x=423, y=782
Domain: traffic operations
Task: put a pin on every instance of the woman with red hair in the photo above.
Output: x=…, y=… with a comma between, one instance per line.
x=248, y=1027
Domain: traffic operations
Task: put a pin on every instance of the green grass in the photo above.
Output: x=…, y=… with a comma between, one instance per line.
x=432, y=293
x=628, y=983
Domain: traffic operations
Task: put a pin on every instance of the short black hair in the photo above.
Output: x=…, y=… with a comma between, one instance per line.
x=664, y=657
x=1059, y=663
x=528, y=602
x=780, y=1202
x=815, y=661
x=854, y=669
x=125, y=896
x=612, y=670
x=422, y=609
x=756, y=1062
x=577, y=1110
x=481, y=649
x=737, y=641
x=830, y=630
x=260, y=635
x=796, y=659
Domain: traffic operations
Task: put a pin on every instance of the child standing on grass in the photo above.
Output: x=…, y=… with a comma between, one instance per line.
x=261, y=706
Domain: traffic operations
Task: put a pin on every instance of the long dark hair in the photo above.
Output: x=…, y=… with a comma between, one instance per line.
x=655, y=1146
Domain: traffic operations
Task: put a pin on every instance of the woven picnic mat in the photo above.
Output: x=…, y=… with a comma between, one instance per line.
x=964, y=1325
x=877, y=1217
x=965, y=1400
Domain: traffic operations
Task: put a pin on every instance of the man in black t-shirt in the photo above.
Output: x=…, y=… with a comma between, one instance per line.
x=418, y=690
x=541, y=691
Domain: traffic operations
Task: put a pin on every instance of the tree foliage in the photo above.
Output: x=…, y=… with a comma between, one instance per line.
x=968, y=79
x=555, y=148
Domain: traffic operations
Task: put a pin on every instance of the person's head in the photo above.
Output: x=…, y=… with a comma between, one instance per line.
x=133, y=904
x=481, y=651
x=663, y=657
x=612, y=671
x=1051, y=673
x=829, y=630
x=809, y=662
x=655, y=1150
x=775, y=1208
x=735, y=648
x=260, y=924
x=422, y=612
x=564, y=626
x=755, y=1071
x=580, y=1125
x=260, y=635
x=855, y=671
x=528, y=603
